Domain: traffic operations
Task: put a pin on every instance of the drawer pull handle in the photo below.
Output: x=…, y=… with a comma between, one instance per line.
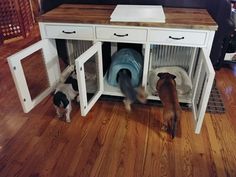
x=176, y=38
x=120, y=35
x=68, y=32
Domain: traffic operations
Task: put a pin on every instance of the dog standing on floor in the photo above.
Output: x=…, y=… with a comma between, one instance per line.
x=166, y=88
x=64, y=94
x=130, y=93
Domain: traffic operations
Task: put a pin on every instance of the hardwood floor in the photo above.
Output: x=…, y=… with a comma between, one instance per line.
x=110, y=142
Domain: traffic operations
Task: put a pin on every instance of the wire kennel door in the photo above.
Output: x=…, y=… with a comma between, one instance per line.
x=169, y=56
x=162, y=55
x=75, y=48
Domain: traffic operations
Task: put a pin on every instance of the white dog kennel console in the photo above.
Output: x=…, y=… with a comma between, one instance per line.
x=184, y=40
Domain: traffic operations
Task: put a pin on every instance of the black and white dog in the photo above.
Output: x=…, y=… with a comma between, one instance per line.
x=64, y=94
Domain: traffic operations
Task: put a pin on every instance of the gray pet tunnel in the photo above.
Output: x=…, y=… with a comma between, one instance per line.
x=126, y=59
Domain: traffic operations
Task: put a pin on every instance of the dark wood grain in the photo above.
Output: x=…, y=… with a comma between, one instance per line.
x=100, y=14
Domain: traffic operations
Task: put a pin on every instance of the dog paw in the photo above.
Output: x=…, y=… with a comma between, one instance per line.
x=128, y=108
x=68, y=120
x=59, y=115
x=127, y=105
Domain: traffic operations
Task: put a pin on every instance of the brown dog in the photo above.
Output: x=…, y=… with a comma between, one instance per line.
x=166, y=88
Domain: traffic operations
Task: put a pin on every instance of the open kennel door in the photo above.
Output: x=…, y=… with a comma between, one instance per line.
x=89, y=71
x=202, y=77
x=35, y=71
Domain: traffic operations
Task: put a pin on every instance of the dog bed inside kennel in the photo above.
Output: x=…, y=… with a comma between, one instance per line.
x=183, y=82
x=177, y=60
x=126, y=58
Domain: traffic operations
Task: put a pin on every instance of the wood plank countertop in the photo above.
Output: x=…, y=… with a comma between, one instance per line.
x=186, y=18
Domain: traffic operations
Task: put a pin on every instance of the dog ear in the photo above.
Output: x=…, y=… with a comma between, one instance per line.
x=173, y=76
x=59, y=97
x=160, y=75
x=64, y=101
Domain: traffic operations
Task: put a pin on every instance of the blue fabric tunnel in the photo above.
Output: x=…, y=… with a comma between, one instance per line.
x=126, y=59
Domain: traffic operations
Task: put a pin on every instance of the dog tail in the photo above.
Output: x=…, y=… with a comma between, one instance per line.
x=174, y=126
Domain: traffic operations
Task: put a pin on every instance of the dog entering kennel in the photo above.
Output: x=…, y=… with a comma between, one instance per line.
x=177, y=60
x=92, y=63
x=192, y=71
x=194, y=78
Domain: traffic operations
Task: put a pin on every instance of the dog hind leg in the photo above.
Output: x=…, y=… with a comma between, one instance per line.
x=77, y=99
x=166, y=117
x=59, y=115
x=68, y=110
x=173, y=126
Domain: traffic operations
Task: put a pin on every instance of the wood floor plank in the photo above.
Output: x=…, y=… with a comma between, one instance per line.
x=109, y=142
x=186, y=146
x=215, y=149
x=92, y=143
x=227, y=140
x=159, y=154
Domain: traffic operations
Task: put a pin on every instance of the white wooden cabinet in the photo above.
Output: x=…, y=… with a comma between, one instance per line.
x=200, y=69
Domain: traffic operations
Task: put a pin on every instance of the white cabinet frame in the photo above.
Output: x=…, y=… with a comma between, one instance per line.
x=202, y=86
x=52, y=67
x=203, y=72
x=85, y=106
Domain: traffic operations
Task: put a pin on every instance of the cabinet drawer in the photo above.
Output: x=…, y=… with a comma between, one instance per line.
x=177, y=37
x=69, y=32
x=121, y=34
